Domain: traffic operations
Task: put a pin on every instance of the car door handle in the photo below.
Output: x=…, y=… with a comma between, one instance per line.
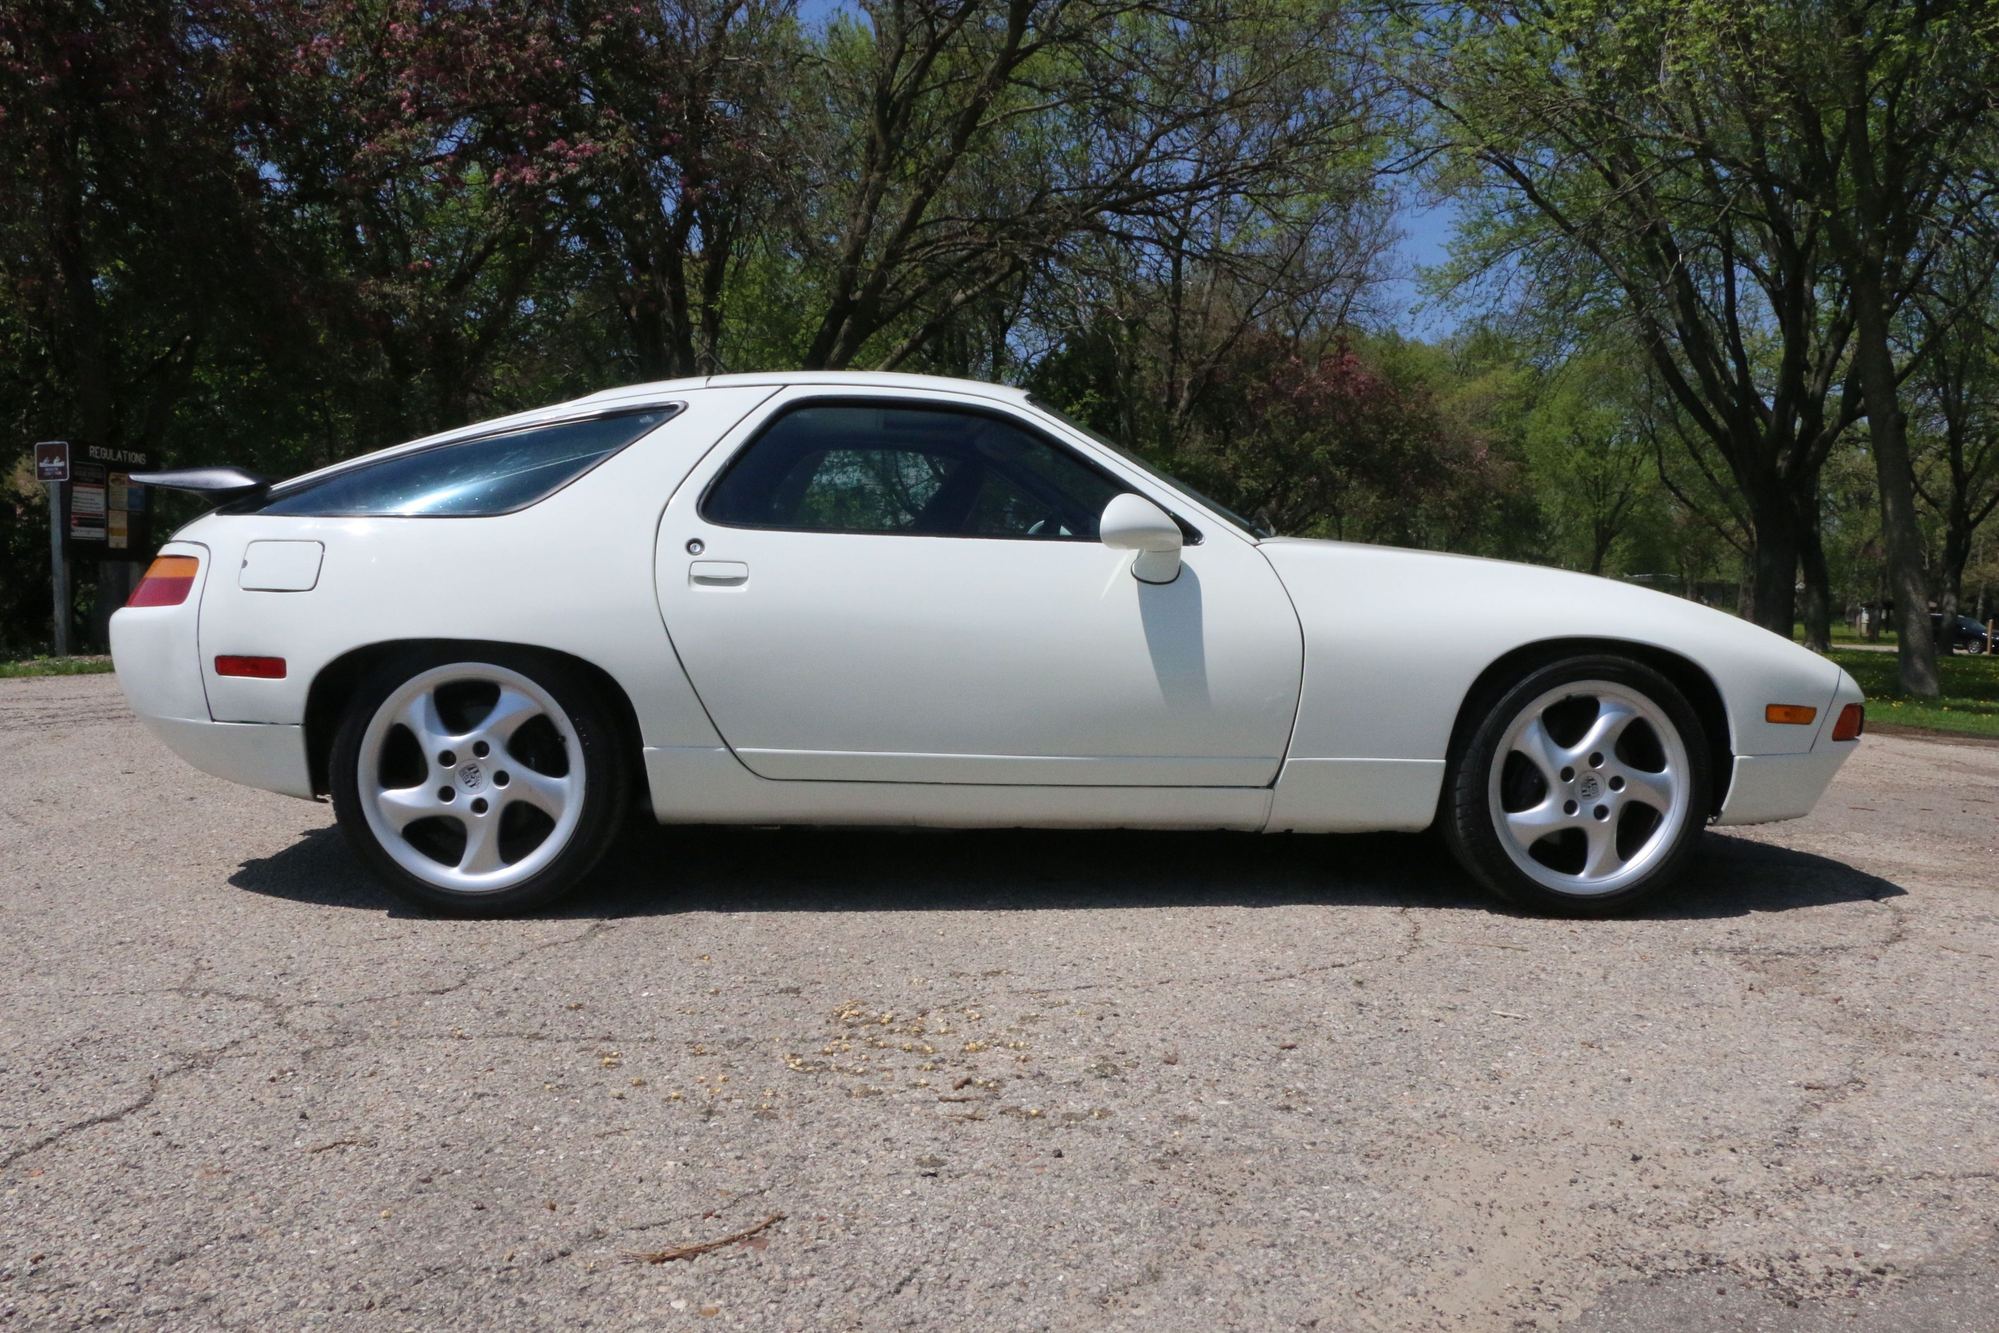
x=718, y=574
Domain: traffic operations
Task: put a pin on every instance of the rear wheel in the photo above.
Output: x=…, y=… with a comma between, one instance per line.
x=479, y=785
x=1583, y=790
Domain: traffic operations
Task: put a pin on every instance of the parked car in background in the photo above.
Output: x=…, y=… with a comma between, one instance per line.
x=1964, y=635
x=887, y=599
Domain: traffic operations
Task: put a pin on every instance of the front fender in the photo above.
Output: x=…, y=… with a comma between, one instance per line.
x=1395, y=640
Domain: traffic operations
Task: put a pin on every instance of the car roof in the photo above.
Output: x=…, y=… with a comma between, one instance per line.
x=777, y=379
x=663, y=391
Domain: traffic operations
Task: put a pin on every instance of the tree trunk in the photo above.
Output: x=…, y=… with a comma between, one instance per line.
x=1956, y=554
x=1881, y=196
x=1816, y=606
x=1773, y=562
x=645, y=316
x=1603, y=536
x=1915, y=646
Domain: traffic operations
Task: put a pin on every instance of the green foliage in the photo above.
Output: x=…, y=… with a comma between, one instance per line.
x=1589, y=455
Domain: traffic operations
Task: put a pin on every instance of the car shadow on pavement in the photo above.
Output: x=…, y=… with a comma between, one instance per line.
x=655, y=871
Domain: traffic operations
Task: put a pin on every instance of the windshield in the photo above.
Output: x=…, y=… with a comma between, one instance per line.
x=1246, y=524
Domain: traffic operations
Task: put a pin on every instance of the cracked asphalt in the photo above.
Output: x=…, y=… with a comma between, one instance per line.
x=1009, y=1080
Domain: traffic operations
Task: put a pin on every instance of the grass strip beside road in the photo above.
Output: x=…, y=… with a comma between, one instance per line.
x=54, y=666
x=1970, y=702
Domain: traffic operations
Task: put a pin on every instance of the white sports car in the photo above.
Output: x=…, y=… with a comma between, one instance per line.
x=890, y=599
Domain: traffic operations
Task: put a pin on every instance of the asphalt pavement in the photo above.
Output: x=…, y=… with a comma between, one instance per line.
x=995, y=1080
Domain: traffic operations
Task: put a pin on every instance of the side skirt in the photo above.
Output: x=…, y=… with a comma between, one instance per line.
x=1356, y=795
x=704, y=785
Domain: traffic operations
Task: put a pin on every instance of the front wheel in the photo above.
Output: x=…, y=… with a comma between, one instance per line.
x=480, y=785
x=1583, y=790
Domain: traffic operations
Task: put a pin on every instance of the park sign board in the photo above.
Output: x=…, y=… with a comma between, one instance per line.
x=105, y=516
x=51, y=460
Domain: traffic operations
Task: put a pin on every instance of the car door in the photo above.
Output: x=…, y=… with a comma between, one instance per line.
x=907, y=587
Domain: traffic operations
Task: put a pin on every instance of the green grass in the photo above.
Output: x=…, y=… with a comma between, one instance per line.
x=1970, y=702
x=54, y=666
x=1844, y=633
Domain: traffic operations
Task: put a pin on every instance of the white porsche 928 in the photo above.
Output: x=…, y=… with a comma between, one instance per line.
x=889, y=599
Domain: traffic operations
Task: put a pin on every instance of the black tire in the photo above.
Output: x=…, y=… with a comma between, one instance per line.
x=600, y=752
x=1470, y=825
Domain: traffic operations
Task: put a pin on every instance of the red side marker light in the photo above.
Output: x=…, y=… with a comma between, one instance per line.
x=167, y=582
x=256, y=668
x=1852, y=722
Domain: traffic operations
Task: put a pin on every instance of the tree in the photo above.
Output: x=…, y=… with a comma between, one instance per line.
x=120, y=193
x=407, y=156
x=1344, y=442
x=1706, y=500
x=130, y=253
x=1890, y=102
x=690, y=113
x=1161, y=317
x=1104, y=116
x=1625, y=165
x=1588, y=456
x=1955, y=397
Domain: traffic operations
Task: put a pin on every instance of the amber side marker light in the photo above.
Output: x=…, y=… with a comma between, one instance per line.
x=1852, y=722
x=1790, y=715
x=166, y=582
x=256, y=668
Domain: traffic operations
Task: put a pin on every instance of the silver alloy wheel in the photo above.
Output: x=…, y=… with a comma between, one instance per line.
x=1588, y=791
x=470, y=776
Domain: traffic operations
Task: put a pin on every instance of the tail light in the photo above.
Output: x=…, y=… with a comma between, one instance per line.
x=167, y=582
x=1852, y=721
x=255, y=668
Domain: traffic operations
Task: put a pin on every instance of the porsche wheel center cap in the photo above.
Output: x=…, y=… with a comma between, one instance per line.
x=1589, y=788
x=471, y=777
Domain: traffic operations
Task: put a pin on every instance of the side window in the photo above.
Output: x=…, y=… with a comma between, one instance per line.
x=917, y=471
x=489, y=474
x=867, y=490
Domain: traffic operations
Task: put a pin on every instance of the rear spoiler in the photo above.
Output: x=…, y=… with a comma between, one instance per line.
x=222, y=483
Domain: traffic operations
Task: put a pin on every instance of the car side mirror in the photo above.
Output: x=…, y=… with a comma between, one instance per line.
x=1134, y=523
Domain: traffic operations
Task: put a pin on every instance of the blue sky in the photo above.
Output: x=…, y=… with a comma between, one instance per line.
x=1426, y=237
